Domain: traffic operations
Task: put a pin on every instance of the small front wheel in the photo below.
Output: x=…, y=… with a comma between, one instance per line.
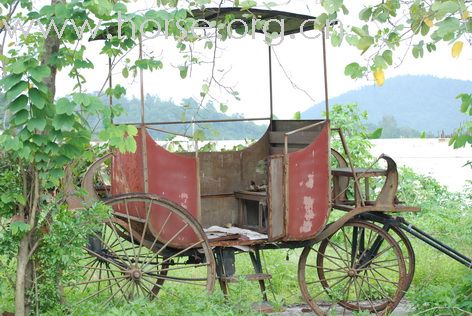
x=359, y=268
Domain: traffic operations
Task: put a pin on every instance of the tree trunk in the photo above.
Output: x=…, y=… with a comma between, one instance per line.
x=21, y=306
x=24, y=281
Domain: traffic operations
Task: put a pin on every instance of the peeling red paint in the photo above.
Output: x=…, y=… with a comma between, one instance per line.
x=308, y=185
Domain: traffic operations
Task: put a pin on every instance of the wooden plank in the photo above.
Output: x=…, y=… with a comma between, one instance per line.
x=360, y=172
x=249, y=195
x=301, y=138
x=219, y=211
x=290, y=125
x=280, y=150
x=276, y=201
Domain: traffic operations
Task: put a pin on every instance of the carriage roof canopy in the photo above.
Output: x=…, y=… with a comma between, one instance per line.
x=292, y=21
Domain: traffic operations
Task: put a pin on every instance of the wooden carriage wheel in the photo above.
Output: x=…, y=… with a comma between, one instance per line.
x=128, y=259
x=360, y=267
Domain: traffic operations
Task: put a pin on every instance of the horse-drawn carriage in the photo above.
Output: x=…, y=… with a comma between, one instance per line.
x=179, y=218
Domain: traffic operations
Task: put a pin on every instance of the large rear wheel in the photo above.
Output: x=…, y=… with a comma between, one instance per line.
x=148, y=241
x=359, y=268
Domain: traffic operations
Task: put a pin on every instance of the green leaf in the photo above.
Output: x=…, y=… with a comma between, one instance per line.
x=120, y=7
x=205, y=89
x=9, y=142
x=40, y=72
x=125, y=72
x=376, y=134
x=183, y=71
x=65, y=106
x=365, y=14
x=56, y=173
x=209, y=44
x=444, y=7
x=9, y=81
x=40, y=85
x=379, y=62
x=18, y=67
x=332, y=6
x=466, y=102
x=418, y=50
x=19, y=228
x=21, y=117
x=424, y=29
x=365, y=42
x=19, y=103
x=388, y=57
x=16, y=90
x=199, y=135
x=354, y=70
x=297, y=116
x=60, y=10
x=223, y=107
x=63, y=122
x=247, y=4
x=37, y=124
x=37, y=98
x=447, y=28
x=336, y=39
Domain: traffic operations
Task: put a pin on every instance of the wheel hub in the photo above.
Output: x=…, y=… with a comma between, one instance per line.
x=134, y=273
x=352, y=273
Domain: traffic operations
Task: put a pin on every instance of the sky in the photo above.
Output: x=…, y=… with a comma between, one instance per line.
x=244, y=63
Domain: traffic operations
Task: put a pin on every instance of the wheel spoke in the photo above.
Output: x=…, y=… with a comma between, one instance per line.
x=182, y=251
x=367, y=297
x=184, y=267
x=172, y=239
x=129, y=225
x=328, y=269
x=94, y=294
x=119, y=240
x=148, y=214
x=157, y=236
x=330, y=258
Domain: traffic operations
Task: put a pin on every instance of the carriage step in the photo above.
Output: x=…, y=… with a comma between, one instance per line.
x=249, y=277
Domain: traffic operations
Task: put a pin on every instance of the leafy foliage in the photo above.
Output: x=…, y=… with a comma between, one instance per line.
x=382, y=32
x=353, y=125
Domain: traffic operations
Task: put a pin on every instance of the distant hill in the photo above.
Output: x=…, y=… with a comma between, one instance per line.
x=422, y=103
x=158, y=110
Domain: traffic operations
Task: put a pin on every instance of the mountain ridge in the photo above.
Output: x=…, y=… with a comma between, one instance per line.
x=425, y=103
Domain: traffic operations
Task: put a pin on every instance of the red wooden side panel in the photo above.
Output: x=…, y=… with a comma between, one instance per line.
x=127, y=171
x=308, y=189
x=171, y=176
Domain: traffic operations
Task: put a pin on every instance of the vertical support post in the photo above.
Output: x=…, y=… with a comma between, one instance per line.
x=110, y=84
x=325, y=77
x=270, y=86
x=325, y=71
x=143, y=126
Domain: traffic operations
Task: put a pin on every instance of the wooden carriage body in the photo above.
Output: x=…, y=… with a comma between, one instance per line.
x=212, y=186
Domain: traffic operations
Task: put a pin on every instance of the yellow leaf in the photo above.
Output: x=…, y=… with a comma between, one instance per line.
x=465, y=15
x=457, y=49
x=379, y=77
x=428, y=22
